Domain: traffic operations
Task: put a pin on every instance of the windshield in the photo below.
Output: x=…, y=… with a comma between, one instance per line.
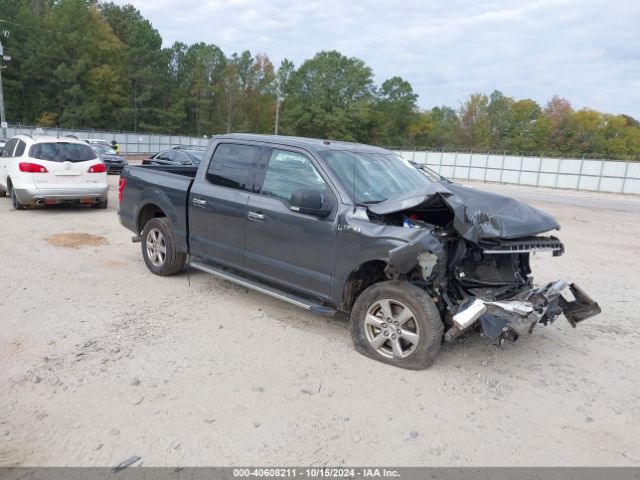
x=103, y=149
x=378, y=176
x=194, y=155
x=62, y=152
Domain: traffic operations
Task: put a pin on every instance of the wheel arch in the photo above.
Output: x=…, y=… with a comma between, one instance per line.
x=147, y=212
x=360, y=278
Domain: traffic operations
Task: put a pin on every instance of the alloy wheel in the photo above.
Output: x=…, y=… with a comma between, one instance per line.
x=391, y=329
x=156, y=247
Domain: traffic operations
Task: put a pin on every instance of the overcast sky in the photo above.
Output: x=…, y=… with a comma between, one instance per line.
x=585, y=50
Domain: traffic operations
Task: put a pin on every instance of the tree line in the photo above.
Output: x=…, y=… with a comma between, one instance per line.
x=98, y=65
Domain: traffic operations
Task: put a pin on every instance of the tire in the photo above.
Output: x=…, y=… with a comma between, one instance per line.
x=157, y=233
x=14, y=200
x=411, y=339
x=101, y=205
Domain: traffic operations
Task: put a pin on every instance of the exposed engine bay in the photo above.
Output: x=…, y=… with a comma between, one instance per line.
x=475, y=264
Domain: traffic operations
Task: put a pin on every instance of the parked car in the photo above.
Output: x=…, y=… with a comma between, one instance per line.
x=2, y=143
x=187, y=147
x=332, y=226
x=113, y=161
x=42, y=169
x=98, y=141
x=175, y=157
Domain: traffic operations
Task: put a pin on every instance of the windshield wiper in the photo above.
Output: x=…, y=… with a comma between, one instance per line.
x=429, y=171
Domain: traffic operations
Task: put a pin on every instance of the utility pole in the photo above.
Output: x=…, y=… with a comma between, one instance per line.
x=3, y=120
x=279, y=99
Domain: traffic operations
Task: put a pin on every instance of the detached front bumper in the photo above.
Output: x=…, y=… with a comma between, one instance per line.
x=508, y=319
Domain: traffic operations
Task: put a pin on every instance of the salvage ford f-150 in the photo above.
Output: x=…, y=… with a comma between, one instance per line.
x=333, y=226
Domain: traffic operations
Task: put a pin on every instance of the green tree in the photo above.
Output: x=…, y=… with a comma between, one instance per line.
x=500, y=119
x=143, y=62
x=394, y=109
x=89, y=78
x=558, y=110
x=261, y=96
x=329, y=97
x=87, y=63
x=475, y=123
x=521, y=135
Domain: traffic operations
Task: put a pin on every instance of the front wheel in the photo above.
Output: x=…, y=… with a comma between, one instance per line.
x=397, y=323
x=159, y=248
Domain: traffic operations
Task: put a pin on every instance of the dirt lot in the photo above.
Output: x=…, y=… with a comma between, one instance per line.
x=101, y=360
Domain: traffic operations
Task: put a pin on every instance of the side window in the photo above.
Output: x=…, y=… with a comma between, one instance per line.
x=167, y=156
x=288, y=172
x=20, y=148
x=181, y=158
x=232, y=166
x=8, y=148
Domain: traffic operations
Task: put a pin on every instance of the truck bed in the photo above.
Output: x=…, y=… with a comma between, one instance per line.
x=162, y=185
x=183, y=171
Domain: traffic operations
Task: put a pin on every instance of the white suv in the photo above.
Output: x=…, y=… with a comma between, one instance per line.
x=47, y=170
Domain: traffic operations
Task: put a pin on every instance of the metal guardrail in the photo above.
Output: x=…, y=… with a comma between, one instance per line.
x=614, y=176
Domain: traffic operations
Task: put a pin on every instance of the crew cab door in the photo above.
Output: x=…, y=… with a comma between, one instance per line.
x=218, y=205
x=283, y=246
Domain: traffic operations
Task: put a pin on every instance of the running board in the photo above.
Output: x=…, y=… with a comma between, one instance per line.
x=266, y=289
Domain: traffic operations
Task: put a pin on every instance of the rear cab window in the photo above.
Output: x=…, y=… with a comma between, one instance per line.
x=62, y=152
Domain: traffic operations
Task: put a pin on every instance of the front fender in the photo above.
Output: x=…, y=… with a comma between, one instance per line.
x=360, y=241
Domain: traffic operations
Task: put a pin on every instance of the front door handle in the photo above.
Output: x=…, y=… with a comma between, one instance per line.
x=255, y=216
x=198, y=202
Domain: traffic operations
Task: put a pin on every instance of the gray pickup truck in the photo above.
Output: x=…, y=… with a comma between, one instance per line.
x=329, y=226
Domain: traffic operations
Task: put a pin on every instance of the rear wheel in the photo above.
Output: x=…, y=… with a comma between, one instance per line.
x=102, y=204
x=14, y=200
x=397, y=323
x=159, y=248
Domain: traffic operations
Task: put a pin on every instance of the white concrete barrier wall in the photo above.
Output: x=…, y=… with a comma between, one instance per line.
x=613, y=176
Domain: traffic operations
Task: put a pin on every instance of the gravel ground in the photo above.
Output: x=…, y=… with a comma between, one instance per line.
x=101, y=360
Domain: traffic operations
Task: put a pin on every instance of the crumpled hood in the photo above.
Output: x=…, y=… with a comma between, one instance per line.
x=478, y=215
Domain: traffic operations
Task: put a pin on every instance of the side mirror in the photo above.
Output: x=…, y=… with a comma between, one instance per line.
x=308, y=202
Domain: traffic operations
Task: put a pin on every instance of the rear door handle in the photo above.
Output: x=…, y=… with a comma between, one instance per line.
x=198, y=202
x=255, y=216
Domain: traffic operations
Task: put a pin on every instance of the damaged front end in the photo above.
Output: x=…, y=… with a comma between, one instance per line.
x=475, y=262
x=508, y=319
